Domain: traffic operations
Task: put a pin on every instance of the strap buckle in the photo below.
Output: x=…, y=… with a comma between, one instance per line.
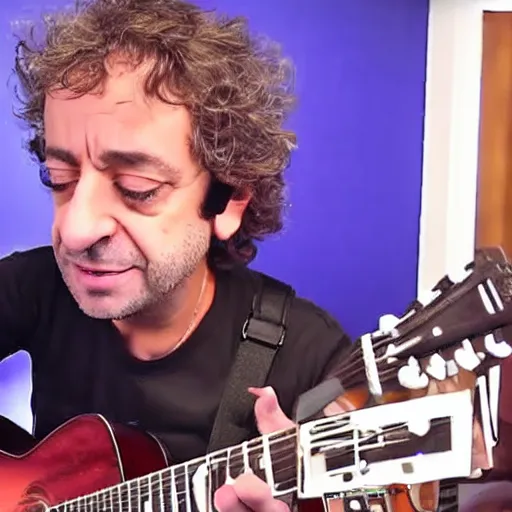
x=263, y=332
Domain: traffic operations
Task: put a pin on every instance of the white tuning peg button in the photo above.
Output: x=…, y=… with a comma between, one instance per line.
x=410, y=376
x=466, y=356
x=451, y=368
x=498, y=349
x=436, y=367
x=388, y=322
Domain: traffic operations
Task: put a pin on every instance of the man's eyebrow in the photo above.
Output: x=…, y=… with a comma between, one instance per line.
x=114, y=158
x=138, y=160
x=63, y=155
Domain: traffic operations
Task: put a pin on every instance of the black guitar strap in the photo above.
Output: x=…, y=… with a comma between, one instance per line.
x=262, y=335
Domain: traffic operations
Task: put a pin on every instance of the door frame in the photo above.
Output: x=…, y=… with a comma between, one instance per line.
x=451, y=136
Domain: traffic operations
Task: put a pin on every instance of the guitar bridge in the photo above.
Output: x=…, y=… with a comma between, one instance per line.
x=421, y=440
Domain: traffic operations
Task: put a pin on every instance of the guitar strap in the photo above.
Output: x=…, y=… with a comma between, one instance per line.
x=262, y=335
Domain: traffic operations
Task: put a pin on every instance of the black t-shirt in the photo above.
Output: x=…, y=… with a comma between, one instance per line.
x=81, y=365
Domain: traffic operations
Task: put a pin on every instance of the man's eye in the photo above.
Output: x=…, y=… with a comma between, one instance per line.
x=139, y=195
x=54, y=180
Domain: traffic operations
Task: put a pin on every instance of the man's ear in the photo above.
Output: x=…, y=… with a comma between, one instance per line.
x=227, y=223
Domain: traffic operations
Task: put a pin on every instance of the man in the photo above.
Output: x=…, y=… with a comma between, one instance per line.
x=159, y=130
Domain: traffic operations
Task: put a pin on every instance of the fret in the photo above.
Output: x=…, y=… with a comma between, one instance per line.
x=267, y=462
x=217, y=474
x=102, y=501
x=283, y=452
x=235, y=462
x=72, y=506
x=124, y=497
x=109, y=500
x=198, y=485
x=174, y=491
x=181, y=485
x=134, y=496
x=190, y=483
x=161, y=499
x=188, y=499
x=255, y=457
x=167, y=490
x=155, y=492
x=144, y=498
x=82, y=505
x=94, y=502
x=89, y=504
x=115, y=498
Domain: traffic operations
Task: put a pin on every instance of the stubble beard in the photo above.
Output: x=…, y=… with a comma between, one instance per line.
x=159, y=283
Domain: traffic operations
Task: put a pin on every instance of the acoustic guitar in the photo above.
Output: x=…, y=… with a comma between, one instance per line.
x=91, y=465
x=380, y=457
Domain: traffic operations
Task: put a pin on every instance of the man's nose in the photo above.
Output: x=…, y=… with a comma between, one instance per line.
x=88, y=215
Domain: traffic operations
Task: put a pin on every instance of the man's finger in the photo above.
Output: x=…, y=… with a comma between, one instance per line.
x=226, y=500
x=269, y=415
x=256, y=495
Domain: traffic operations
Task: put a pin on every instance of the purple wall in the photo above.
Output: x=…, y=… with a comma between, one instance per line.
x=351, y=236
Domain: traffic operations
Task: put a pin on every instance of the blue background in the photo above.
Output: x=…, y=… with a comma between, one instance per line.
x=350, y=241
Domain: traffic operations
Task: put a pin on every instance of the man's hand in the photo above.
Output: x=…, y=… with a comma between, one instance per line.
x=248, y=492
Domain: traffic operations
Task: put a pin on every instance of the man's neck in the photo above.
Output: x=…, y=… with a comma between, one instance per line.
x=160, y=333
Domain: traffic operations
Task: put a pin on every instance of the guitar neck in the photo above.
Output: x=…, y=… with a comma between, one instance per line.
x=190, y=486
x=348, y=451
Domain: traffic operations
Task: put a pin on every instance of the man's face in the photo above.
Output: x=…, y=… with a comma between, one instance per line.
x=127, y=228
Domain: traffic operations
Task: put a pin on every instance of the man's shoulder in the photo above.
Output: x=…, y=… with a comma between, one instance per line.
x=31, y=273
x=29, y=258
x=305, y=317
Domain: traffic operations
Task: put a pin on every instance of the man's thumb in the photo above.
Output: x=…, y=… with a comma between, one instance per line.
x=269, y=415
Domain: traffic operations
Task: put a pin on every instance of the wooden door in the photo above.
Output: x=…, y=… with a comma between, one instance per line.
x=494, y=216
x=494, y=200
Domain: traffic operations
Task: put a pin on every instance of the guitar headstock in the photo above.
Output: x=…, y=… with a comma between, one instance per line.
x=459, y=326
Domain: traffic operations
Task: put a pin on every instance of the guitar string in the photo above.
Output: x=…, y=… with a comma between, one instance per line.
x=123, y=500
x=353, y=368
x=165, y=476
x=169, y=473
x=349, y=371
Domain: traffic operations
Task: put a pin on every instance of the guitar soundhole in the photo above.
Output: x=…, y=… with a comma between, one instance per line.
x=32, y=507
x=37, y=507
x=34, y=500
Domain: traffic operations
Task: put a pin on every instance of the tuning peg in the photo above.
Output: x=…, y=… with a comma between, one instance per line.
x=499, y=349
x=443, y=285
x=436, y=367
x=413, y=307
x=451, y=368
x=466, y=357
x=411, y=375
x=388, y=322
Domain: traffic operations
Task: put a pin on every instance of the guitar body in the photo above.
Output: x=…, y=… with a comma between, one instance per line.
x=88, y=454
x=83, y=456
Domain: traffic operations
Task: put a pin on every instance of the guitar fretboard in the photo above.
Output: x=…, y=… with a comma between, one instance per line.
x=190, y=487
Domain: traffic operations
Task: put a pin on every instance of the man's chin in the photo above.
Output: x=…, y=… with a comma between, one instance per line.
x=101, y=312
x=106, y=307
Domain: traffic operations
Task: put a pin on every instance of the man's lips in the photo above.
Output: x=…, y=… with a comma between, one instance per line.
x=98, y=271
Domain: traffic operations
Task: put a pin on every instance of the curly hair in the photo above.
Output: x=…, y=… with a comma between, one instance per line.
x=237, y=88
